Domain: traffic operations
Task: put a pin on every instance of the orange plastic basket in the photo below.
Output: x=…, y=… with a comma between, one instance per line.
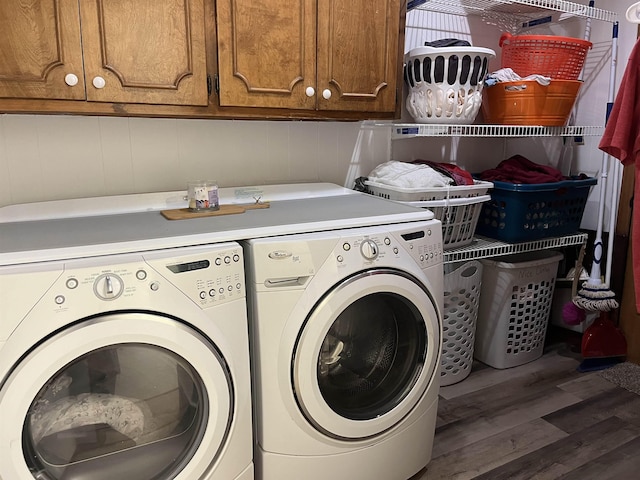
x=560, y=58
x=526, y=102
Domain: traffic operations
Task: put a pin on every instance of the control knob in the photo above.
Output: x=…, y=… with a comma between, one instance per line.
x=369, y=249
x=108, y=286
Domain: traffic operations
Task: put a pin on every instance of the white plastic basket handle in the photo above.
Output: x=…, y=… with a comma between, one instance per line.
x=464, y=277
x=451, y=202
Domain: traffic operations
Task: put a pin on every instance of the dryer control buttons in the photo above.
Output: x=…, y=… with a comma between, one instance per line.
x=369, y=249
x=141, y=274
x=72, y=283
x=108, y=286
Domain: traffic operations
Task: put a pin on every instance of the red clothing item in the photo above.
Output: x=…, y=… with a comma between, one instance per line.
x=519, y=169
x=621, y=139
x=457, y=174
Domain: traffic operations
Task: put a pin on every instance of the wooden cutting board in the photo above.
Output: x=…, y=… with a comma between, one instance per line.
x=185, y=213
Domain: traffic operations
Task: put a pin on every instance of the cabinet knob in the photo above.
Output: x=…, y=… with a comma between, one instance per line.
x=310, y=91
x=71, y=79
x=98, y=82
x=326, y=94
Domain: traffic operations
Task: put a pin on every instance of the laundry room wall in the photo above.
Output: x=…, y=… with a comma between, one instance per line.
x=50, y=157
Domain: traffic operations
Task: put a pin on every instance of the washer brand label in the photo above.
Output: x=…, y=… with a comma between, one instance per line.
x=280, y=254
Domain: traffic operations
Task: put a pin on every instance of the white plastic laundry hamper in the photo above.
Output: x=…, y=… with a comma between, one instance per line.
x=445, y=83
x=515, y=306
x=462, y=283
x=458, y=207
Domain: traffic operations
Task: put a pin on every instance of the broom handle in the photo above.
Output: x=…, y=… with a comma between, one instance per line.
x=594, y=276
x=615, y=183
x=598, y=250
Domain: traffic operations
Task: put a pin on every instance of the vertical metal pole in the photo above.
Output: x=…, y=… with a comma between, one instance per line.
x=617, y=168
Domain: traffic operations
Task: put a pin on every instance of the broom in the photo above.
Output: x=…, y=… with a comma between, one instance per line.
x=603, y=344
x=595, y=295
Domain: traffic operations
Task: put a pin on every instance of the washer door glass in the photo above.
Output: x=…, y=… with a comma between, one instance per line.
x=121, y=396
x=113, y=403
x=366, y=354
x=371, y=356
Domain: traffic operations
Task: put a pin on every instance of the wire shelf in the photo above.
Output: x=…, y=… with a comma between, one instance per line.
x=522, y=11
x=483, y=247
x=409, y=130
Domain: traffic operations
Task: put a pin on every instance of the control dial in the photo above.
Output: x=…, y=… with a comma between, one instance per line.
x=369, y=249
x=108, y=286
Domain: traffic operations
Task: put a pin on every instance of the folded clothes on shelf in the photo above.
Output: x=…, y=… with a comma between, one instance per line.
x=409, y=175
x=459, y=175
x=518, y=169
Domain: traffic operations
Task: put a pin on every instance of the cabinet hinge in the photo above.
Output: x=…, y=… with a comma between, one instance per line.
x=213, y=84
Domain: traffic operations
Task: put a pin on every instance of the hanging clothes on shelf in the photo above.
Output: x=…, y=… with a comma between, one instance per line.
x=621, y=138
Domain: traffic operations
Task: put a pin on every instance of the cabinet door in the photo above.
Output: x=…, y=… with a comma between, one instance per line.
x=145, y=51
x=358, y=56
x=266, y=53
x=39, y=46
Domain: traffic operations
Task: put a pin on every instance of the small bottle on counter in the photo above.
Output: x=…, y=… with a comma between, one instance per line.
x=203, y=196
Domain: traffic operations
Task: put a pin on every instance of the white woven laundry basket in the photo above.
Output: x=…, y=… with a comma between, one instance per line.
x=462, y=284
x=515, y=306
x=457, y=207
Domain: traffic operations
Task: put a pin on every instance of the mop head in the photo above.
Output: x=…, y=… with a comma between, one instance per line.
x=595, y=298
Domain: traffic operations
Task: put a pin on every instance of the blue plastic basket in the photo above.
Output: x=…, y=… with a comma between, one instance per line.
x=521, y=212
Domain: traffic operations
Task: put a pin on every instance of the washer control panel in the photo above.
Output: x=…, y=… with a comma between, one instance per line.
x=422, y=242
x=208, y=275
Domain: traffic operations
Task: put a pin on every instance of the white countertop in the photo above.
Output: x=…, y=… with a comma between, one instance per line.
x=111, y=225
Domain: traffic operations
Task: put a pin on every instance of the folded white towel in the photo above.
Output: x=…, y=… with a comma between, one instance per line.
x=408, y=175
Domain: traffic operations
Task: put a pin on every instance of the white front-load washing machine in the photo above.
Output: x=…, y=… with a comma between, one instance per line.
x=345, y=341
x=130, y=366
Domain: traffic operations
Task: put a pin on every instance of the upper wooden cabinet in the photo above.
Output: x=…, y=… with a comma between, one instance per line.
x=39, y=45
x=120, y=51
x=328, y=55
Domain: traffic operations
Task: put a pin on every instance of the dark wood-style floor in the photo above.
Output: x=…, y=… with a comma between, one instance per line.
x=543, y=420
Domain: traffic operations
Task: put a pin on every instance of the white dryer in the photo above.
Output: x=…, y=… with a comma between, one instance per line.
x=346, y=341
x=130, y=366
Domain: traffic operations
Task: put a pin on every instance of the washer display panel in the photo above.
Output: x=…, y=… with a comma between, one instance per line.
x=366, y=354
x=121, y=396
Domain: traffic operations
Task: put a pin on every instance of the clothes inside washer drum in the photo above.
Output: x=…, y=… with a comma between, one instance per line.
x=120, y=413
x=365, y=360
